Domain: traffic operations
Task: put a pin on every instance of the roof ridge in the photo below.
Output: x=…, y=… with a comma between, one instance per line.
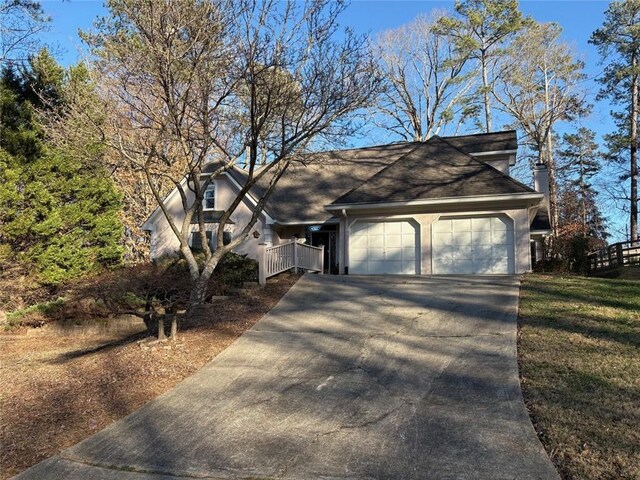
x=508, y=177
x=477, y=134
x=418, y=144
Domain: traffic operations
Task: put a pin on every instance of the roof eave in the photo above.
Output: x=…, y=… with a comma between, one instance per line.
x=532, y=198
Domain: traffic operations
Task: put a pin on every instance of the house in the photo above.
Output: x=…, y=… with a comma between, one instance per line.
x=444, y=206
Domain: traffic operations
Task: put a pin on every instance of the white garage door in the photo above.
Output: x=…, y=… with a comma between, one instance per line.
x=481, y=245
x=382, y=247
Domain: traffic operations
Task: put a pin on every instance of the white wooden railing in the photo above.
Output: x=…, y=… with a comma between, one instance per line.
x=291, y=255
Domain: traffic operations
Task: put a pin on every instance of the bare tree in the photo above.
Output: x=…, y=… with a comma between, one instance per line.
x=21, y=21
x=186, y=83
x=427, y=79
x=539, y=86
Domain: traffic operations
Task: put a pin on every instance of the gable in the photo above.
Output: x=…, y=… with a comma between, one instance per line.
x=433, y=170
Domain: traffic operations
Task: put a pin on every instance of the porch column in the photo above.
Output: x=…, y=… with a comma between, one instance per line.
x=343, y=243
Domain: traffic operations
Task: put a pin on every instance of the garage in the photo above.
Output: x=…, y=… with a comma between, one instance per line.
x=383, y=247
x=473, y=245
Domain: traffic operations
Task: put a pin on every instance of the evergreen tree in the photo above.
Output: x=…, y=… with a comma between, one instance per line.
x=578, y=163
x=58, y=214
x=481, y=29
x=618, y=41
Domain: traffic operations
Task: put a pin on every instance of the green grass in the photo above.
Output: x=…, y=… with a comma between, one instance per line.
x=579, y=348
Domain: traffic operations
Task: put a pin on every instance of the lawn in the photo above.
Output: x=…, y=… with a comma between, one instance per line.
x=579, y=352
x=55, y=391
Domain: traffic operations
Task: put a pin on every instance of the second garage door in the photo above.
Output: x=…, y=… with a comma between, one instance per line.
x=382, y=247
x=473, y=245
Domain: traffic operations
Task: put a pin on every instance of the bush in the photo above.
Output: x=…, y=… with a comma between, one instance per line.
x=234, y=270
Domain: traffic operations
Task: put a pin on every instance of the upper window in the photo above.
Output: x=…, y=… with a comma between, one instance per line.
x=209, y=200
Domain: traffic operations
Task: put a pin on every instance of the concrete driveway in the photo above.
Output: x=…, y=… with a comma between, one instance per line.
x=348, y=377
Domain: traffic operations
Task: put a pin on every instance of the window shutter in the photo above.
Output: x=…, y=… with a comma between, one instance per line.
x=226, y=238
x=196, y=244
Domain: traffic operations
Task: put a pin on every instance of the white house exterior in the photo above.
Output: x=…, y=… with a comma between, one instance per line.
x=444, y=206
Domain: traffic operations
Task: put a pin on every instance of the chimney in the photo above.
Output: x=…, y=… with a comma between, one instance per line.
x=541, y=180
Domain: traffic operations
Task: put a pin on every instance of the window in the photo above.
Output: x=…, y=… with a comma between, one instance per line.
x=196, y=244
x=209, y=200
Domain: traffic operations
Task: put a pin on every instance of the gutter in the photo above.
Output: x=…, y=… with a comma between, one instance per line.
x=438, y=201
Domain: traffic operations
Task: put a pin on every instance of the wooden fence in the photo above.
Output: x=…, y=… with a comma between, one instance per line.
x=291, y=255
x=620, y=254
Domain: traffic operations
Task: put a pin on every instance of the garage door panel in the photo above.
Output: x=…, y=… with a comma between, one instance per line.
x=499, y=223
x=473, y=245
x=481, y=238
x=462, y=238
x=383, y=247
x=359, y=241
x=462, y=253
x=409, y=239
x=502, y=237
x=441, y=238
x=409, y=253
x=359, y=229
x=375, y=267
x=442, y=226
x=358, y=255
x=461, y=225
x=481, y=224
x=392, y=227
x=393, y=240
x=376, y=228
x=376, y=241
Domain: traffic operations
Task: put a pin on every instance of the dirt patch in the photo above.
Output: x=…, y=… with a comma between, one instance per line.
x=56, y=391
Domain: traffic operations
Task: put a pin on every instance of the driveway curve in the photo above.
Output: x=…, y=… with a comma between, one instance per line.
x=347, y=377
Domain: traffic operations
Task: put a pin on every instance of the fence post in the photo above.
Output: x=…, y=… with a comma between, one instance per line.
x=619, y=254
x=262, y=266
x=322, y=260
x=295, y=255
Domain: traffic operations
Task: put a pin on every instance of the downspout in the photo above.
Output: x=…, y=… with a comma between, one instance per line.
x=345, y=267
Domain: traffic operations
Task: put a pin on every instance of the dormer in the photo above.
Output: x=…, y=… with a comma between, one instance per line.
x=498, y=149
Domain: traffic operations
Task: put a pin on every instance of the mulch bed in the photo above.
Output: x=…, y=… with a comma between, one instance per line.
x=55, y=391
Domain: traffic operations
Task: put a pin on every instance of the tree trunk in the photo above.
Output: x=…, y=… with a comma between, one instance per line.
x=633, y=217
x=487, y=102
x=161, y=335
x=174, y=327
x=553, y=187
x=201, y=283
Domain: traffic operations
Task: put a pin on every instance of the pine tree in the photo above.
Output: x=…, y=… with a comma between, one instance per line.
x=58, y=215
x=618, y=41
x=481, y=29
x=578, y=162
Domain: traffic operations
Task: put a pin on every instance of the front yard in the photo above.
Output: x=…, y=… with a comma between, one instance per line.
x=56, y=391
x=579, y=353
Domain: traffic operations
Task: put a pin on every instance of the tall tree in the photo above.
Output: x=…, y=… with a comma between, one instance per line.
x=58, y=215
x=190, y=83
x=481, y=30
x=618, y=41
x=427, y=79
x=22, y=21
x=578, y=162
x=540, y=84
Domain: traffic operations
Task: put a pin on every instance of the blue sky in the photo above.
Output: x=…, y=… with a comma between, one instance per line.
x=578, y=18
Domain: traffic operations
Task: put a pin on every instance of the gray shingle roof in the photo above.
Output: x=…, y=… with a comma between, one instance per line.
x=434, y=169
x=437, y=168
x=306, y=188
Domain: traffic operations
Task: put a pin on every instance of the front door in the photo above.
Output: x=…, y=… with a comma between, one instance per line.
x=326, y=235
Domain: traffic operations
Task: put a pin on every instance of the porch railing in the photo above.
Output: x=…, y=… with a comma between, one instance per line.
x=291, y=255
x=615, y=255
